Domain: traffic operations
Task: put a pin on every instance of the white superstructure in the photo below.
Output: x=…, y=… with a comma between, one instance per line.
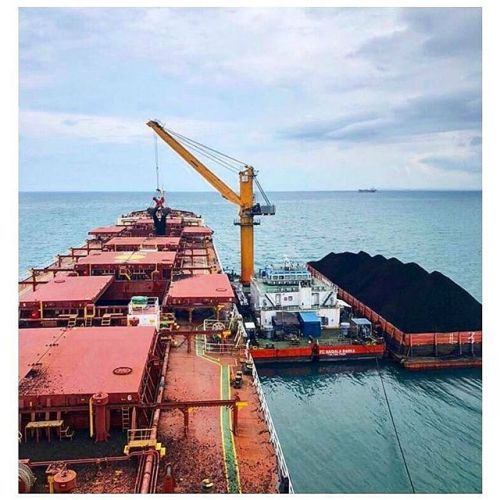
x=292, y=288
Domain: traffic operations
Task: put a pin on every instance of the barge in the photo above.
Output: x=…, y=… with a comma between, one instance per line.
x=427, y=320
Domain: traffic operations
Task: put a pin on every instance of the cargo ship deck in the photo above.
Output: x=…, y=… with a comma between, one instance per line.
x=187, y=415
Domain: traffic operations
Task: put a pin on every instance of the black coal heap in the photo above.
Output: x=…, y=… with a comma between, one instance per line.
x=404, y=294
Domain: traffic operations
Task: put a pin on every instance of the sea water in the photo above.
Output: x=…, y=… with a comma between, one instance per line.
x=332, y=419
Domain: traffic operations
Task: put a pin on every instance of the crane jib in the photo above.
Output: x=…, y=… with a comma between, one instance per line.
x=245, y=200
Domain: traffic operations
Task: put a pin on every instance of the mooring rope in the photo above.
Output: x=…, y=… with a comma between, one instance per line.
x=395, y=429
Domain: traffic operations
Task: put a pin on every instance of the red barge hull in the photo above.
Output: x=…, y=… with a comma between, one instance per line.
x=326, y=353
x=419, y=351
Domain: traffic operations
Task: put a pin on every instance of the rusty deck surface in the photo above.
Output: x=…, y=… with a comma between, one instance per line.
x=33, y=345
x=201, y=454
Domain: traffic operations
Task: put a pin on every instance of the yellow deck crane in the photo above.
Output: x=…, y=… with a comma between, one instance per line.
x=245, y=199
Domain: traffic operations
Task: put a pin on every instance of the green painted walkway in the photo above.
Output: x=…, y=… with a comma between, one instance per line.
x=228, y=447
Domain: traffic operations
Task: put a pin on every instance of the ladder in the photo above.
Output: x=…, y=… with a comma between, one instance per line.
x=125, y=418
x=89, y=314
x=124, y=272
x=72, y=320
x=106, y=320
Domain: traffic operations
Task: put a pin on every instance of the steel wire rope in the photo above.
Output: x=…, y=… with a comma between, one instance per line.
x=206, y=147
x=395, y=428
x=266, y=199
x=210, y=156
x=206, y=153
x=198, y=147
x=190, y=170
x=156, y=164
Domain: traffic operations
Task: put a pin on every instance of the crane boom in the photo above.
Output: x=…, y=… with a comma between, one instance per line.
x=225, y=191
x=245, y=200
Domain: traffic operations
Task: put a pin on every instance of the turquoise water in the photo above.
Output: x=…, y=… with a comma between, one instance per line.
x=332, y=419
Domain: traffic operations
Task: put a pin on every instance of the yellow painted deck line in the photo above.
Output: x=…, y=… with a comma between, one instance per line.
x=232, y=438
x=208, y=358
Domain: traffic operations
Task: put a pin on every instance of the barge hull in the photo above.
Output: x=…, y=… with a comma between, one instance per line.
x=326, y=353
x=420, y=351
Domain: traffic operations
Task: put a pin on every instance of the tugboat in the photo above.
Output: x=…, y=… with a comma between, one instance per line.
x=300, y=318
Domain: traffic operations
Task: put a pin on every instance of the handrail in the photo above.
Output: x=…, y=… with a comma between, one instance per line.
x=282, y=467
x=296, y=308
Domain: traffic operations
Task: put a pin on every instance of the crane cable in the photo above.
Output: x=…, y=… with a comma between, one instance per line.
x=206, y=147
x=395, y=429
x=156, y=163
x=210, y=156
x=218, y=157
x=266, y=199
x=205, y=151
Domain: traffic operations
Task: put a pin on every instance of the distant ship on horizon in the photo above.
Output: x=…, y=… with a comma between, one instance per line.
x=370, y=190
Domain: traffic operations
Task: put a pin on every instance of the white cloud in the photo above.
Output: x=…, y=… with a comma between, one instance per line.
x=101, y=129
x=237, y=79
x=105, y=129
x=261, y=46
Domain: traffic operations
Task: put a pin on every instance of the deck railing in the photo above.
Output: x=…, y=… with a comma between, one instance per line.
x=295, y=308
x=222, y=348
x=282, y=467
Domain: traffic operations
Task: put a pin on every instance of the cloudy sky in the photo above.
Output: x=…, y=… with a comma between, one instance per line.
x=312, y=98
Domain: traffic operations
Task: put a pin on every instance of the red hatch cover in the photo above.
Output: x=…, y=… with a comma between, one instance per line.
x=209, y=286
x=129, y=258
x=68, y=289
x=196, y=231
x=107, y=230
x=82, y=360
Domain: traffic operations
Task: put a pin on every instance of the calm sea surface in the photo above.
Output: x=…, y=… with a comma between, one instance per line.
x=332, y=419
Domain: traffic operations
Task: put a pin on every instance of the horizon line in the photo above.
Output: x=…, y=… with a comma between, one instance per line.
x=475, y=190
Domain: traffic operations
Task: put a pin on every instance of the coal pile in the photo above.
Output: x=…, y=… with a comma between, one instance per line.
x=408, y=296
